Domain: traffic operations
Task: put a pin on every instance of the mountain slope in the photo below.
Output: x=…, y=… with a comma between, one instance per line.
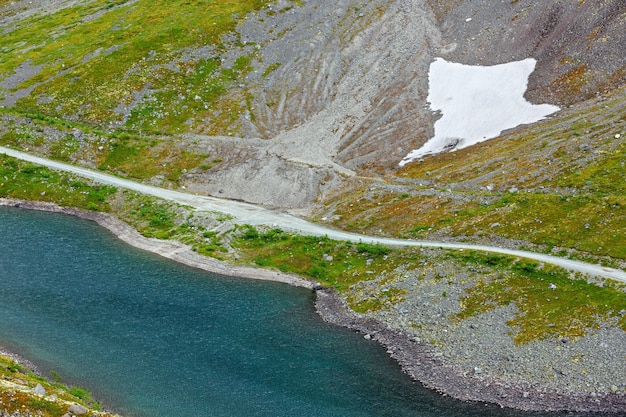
x=312, y=92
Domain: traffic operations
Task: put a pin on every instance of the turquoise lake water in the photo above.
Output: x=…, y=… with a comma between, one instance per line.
x=152, y=338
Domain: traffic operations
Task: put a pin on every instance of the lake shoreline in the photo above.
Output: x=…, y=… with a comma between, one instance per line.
x=421, y=363
x=416, y=359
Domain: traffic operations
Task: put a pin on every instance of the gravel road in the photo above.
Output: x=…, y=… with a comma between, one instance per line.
x=255, y=215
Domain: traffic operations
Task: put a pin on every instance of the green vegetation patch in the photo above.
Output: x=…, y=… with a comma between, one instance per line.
x=23, y=180
x=126, y=153
x=376, y=301
x=334, y=263
x=589, y=223
x=143, y=158
x=153, y=66
x=171, y=221
x=549, y=302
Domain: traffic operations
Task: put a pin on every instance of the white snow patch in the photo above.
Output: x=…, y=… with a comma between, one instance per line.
x=477, y=103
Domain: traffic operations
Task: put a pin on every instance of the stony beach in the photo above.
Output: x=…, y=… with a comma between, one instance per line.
x=428, y=365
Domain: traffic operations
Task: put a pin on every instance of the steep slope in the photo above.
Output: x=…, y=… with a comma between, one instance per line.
x=292, y=98
x=330, y=88
x=556, y=184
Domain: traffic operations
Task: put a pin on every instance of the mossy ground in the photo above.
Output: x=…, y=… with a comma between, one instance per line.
x=129, y=154
x=21, y=180
x=549, y=301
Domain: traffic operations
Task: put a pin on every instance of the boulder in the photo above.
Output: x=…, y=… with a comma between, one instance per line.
x=77, y=409
x=39, y=390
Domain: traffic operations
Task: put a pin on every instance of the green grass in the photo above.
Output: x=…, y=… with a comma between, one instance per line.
x=170, y=221
x=271, y=68
x=332, y=263
x=22, y=180
x=124, y=153
x=163, y=59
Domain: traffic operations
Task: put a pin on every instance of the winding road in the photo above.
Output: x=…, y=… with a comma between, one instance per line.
x=245, y=213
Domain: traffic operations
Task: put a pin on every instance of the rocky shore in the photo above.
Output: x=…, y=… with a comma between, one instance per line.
x=423, y=363
x=421, y=360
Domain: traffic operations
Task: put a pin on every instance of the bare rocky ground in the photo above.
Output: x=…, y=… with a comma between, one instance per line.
x=433, y=368
x=479, y=357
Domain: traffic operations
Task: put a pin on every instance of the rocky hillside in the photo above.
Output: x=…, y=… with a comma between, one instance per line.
x=291, y=98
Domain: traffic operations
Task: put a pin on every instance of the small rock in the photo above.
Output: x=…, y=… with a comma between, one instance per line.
x=39, y=390
x=327, y=257
x=552, y=286
x=367, y=337
x=78, y=134
x=614, y=388
x=77, y=409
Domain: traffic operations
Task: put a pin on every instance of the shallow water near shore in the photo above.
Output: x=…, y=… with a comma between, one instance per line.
x=151, y=337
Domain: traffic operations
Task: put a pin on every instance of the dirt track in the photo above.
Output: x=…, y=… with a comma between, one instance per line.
x=254, y=215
